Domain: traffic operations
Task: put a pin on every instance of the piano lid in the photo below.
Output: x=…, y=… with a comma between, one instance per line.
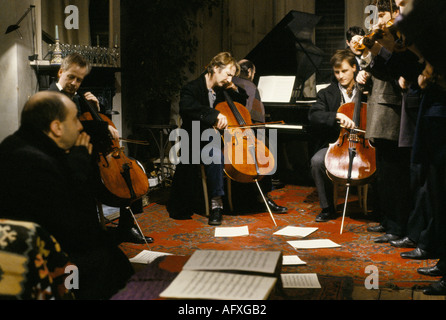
x=288, y=49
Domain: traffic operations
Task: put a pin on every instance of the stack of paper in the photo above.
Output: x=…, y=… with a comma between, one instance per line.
x=226, y=275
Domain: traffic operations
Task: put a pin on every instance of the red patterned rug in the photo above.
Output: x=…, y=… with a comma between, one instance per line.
x=356, y=252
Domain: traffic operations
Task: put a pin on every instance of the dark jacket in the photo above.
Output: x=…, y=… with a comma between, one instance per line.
x=194, y=103
x=322, y=116
x=43, y=184
x=194, y=106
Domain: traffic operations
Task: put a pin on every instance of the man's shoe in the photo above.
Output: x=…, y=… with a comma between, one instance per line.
x=275, y=208
x=134, y=236
x=386, y=238
x=436, y=289
x=403, y=243
x=325, y=216
x=215, y=217
x=377, y=228
x=434, y=271
x=417, y=254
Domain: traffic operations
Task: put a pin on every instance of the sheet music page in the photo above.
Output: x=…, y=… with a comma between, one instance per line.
x=147, y=256
x=235, y=260
x=191, y=284
x=313, y=244
x=292, y=261
x=276, y=88
x=300, y=280
x=291, y=231
x=231, y=231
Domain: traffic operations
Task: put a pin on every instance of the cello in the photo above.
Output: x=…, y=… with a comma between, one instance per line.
x=247, y=159
x=351, y=160
x=124, y=179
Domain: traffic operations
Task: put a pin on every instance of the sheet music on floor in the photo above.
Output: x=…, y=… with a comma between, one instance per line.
x=300, y=280
x=292, y=261
x=313, y=244
x=147, y=256
x=292, y=231
x=231, y=231
x=191, y=284
x=234, y=260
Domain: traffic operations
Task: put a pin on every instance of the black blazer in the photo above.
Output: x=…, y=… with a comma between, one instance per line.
x=194, y=103
x=322, y=116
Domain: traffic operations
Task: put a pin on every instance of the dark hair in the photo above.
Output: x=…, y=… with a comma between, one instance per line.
x=77, y=59
x=222, y=60
x=42, y=109
x=354, y=31
x=343, y=55
x=385, y=5
x=245, y=65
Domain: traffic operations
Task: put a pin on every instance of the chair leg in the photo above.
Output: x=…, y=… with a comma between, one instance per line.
x=205, y=190
x=362, y=194
x=335, y=195
x=101, y=215
x=229, y=186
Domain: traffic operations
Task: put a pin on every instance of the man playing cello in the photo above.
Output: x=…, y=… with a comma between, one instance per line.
x=197, y=101
x=324, y=117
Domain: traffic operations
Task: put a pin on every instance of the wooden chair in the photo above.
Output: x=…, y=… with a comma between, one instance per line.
x=206, y=194
x=362, y=195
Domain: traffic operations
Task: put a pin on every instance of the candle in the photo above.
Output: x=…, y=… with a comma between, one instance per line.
x=97, y=40
x=57, y=32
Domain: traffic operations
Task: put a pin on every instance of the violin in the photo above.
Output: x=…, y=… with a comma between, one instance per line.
x=124, y=178
x=368, y=41
x=247, y=159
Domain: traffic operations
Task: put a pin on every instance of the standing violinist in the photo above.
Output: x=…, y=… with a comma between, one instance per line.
x=326, y=120
x=72, y=72
x=353, y=36
x=198, y=99
x=383, y=130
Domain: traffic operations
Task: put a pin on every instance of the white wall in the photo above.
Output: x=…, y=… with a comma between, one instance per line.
x=18, y=80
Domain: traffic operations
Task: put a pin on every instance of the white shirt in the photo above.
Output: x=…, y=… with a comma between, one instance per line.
x=345, y=97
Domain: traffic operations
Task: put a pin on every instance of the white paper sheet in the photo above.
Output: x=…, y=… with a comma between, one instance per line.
x=235, y=260
x=191, y=284
x=231, y=231
x=292, y=261
x=300, y=280
x=276, y=88
x=313, y=244
x=291, y=231
x=147, y=256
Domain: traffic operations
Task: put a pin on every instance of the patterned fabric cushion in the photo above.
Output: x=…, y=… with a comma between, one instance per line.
x=32, y=264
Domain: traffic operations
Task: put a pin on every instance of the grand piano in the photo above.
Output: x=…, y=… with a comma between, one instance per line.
x=288, y=50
